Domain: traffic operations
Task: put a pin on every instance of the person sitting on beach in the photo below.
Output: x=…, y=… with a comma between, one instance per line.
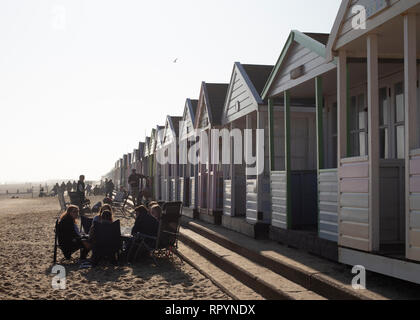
x=156, y=211
x=105, y=217
x=69, y=237
x=145, y=224
x=97, y=207
x=121, y=195
x=98, y=218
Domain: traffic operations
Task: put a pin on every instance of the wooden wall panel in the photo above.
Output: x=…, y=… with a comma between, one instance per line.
x=328, y=204
x=354, y=204
x=278, y=200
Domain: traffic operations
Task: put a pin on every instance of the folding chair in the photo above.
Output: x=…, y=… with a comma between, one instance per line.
x=165, y=244
x=63, y=207
x=77, y=200
x=119, y=204
x=108, y=243
x=55, y=242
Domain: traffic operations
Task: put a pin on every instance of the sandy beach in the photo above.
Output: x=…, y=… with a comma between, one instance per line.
x=26, y=252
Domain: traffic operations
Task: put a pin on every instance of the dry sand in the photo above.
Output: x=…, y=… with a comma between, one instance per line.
x=26, y=252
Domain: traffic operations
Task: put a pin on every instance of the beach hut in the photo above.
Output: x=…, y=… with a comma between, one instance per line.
x=120, y=172
x=210, y=176
x=146, y=158
x=376, y=45
x=304, y=187
x=140, y=155
x=158, y=174
x=152, y=161
x=124, y=176
x=169, y=151
x=187, y=169
x=139, y=161
x=247, y=200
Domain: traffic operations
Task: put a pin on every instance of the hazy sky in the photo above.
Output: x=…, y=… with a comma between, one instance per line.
x=83, y=81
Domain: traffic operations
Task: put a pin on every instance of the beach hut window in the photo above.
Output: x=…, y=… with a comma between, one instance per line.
x=358, y=126
x=384, y=123
x=400, y=120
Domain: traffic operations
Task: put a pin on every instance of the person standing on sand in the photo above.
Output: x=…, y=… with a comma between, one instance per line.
x=134, y=182
x=62, y=187
x=80, y=187
x=69, y=186
x=109, y=188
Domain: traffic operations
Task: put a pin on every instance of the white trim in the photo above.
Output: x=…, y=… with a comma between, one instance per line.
x=404, y=270
x=355, y=159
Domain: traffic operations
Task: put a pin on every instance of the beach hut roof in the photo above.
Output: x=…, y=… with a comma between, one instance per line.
x=212, y=99
x=258, y=75
x=172, y=125
x=193, y=106
x=188, y=118
x=141, y=149
x=243, y=96
x=316, y=42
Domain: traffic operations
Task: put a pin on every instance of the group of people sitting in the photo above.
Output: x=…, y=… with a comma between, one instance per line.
x=71, y=239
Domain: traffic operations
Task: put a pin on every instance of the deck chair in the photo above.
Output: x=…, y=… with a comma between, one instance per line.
x=55, y=242
x=165, y=244
x=120, y=202
x=81, y=202
x=107, y=243
x=63, y=207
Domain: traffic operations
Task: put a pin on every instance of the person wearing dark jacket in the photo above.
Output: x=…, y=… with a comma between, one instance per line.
x=81, y=187
x=145, y=224
x=69, y=237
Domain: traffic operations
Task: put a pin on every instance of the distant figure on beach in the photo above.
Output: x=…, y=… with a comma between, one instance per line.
x=146, y=193
x=81, y=187
x=109, y=188
x=62, y=187
x=134, y=182
x=56, y=189
x=74, y=186
x=69, y=186
x=121, y=195
x=69, y=237
x=89, y=189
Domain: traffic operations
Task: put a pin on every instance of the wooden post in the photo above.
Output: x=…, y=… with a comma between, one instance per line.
x=287, y=158
x=271, y=132
x=342, y=86
x=342, y=105
x=373, y=116
x=232, y=173
x=410, y=93
x=260, y=158
x=319, y=122
x=320, y=134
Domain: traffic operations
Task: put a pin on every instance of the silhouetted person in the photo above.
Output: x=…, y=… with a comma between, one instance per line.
x=134, y=182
